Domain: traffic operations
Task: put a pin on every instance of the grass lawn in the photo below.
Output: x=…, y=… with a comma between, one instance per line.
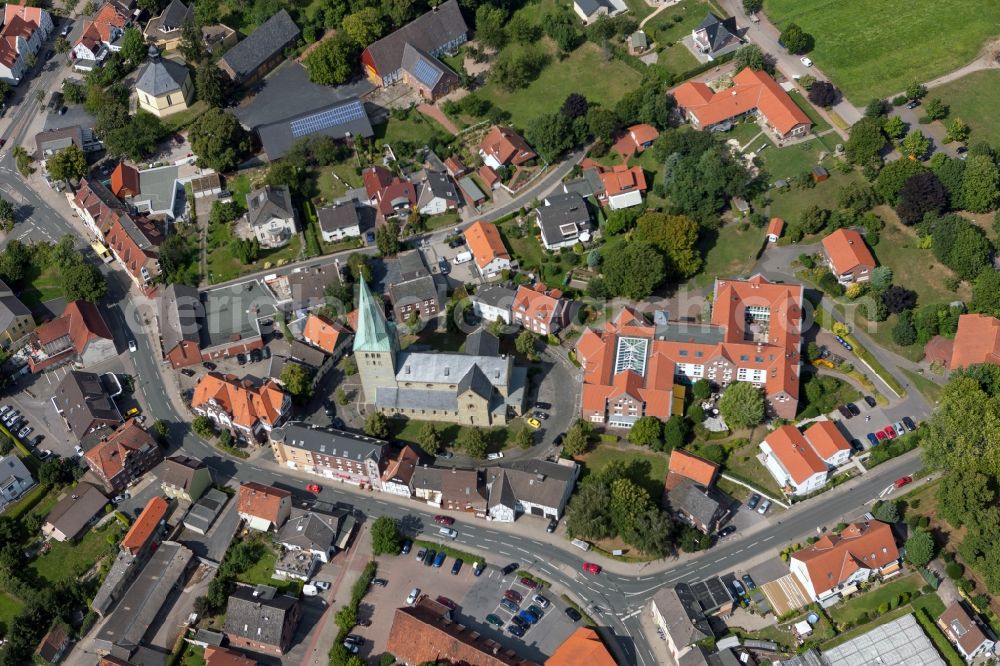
x=408, y=430
x=728, y=252
x=676, y=59
x=193, y=656
x=930, y=390
x=261, y=573
x=41, y=286
x=415, y=128
x=649, y=468
x=182, y=119
x=584, y=71
x=789, y=203
x=71, y=560
x=743, y=464
x=640, y=9
x=331, y=188
x=974, y=98
x=932, y=602
x=790, y=161
x=877, y=49
x=531, y=255
x=744, y=132
x=240, y=187
x=671, y=25
x=869, y=602
x=10, y=608
x=222, y=265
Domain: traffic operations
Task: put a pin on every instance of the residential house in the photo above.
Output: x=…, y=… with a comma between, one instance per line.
x=426, y=632
x=412, y=288
x=96, y=205
x=439, y=31
x=83, y=403
x=473, y=195
x=180, y=311
x=316, y=362
x=564, y=220
x=54, y=643
x=25, y=29
x=678, y=615
x=271, y=216
x=836, y=563
x=392, y=196
x=490, y=177
x=220, y=656
x=451, y=488
x=146, y=530
x=185, y=478
x=38, y=16
x=100, y=36
x=74, y=513
x=977, y=341
x=455, y=166
x=488, y=250
x=332, y=454
x=315, y=534
x=437, y=194
x=493, y=303
x=539, y=309
x=792, y=461
x=263, y=507
x=121, y=458
x=50, y=142
x=164, y=31
x=340, y=221
x=261, y=620
x=774, y=229
x=591, y=10
x=399, y=469
x=623, y=187
x=164, y=86
x=78, y=334
x=584, y=646
x=135, y=242
x=716, y=37
x=426, y=74
x=828, y=442
x=15, y=479
x=637, y=43
x=639, y=137
x=966, y=631
x=690, y=492
x=240, y=405
x=535, y=487
x=125, y=181
x=849, y=258
x=502, y=147
x=630, y=366
x=251, y=60
x=16, y=321
x=753, y=92
x=330, y=336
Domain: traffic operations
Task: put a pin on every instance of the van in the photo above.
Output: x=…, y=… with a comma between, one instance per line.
x=582, y=545
x=462, y=257
x=448, y=532
x=310, y=590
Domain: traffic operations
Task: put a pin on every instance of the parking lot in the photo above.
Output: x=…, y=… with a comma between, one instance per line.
x=476, y=597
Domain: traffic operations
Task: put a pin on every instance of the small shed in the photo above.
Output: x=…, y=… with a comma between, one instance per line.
x=819, y=173
x=637, y=42
x=774, y=229
x=741, y=205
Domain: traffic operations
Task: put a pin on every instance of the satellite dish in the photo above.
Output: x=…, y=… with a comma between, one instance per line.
x=585, y=236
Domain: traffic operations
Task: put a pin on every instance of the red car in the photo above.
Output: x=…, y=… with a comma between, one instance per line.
x=313, y=488
x=890, y=432
x=590, y=567
x=444, y=520
x=903, y=480
x=513, y=596
x=881, y=436
x=445, y=601
x=527, y=582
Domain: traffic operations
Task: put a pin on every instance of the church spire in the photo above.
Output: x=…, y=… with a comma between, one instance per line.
x=374, y=333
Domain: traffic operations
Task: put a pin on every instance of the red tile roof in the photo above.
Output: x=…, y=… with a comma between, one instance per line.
x=455, y=166
x=489, y=176
x=394, y=194
x=692, y=467
x=977, y=341
x=961, y=628
x=623, y=179
x=775, y=227
x=792, y=450
x=847, y=251
x=245, y=404
x=138, y=249
x=752, y=89
x=400, y=469
x=81, y=321
x=485, y=243
x=422, y=634
x=219, y=656
x=145, y=525
x=18, y=27
x=826, y=439
x=124, y=181
x=108, y=458
x=375, y=179
x=506, y=146
x=30, y=14
x=584, y=646
x=323, y=333
x=256, y=499
x=834, y=558
x=537, y=304
x=642, y=134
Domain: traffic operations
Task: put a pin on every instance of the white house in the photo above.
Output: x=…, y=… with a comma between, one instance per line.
x=792, y=461
x=837, y=562
x=88, y=54
x=591, y=10
x=437, y=194
x=340, y=221
x=24, y=31
x=15, y=479
x=487, y=248
x=536, y=487
x=271, y=216
x=828, y=442
x=12, y=65
x=493, y=302
x=313, y=533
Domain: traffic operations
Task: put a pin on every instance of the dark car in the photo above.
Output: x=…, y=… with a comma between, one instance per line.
x=447, y=603
x=337, y=423
x=266, y=352
x=870, y=401
x=520, y=621
x=187, y=372
x=241, y=358
x=845, y=412
x=439, y=559
x=748, y=581
x=355, y=638
x=407, y=545
x=726, y=531
x=510, y=568
x=256, y=356
x=527, y=582
x=209, y=366
x=551, y=527
x=754, y=501
x=857, y=445
x=573, y=614
x=872, y=439
x=514, y=596
x=478, y=569
x=429, y=557
x=855, y=410
x=328, y=408
x=913, y=104
x=379, y=582
x=515, y=630
x=908, y=422
x=509, y=605
x=456, y=567
x=543, y=405
x=844, y=343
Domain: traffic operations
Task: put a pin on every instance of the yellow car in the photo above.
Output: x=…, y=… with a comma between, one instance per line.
x=132, y=412
x=534, y=423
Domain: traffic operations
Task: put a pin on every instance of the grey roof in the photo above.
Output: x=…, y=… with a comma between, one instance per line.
x=501, y=491
x=410, y=281
x=180, y=309
x=692, y=332
x=268, y=202
x=264, y=43
x=158, y=187
x=424, y=67
x=311, y=531
x=682, y=614
x=539, y=481
x=437, y=185
x=445, y=368
x=482, y=343
x=55, y=140
x=203, y=513
x=347, y=117
x=901, y=641
x=84, y=403
x=475, y=381
x=11, y=467
x=341, y=216
x=179, y=471
x=161, y=76
x=701, y=504
x=387, y=397
x=407, y=266
x=307, y=354
x=258, y=618
x=330, y=442
x=72, y=513
x=145, y=598
x=638, y=39
x=231, y=312
x=720, y=32
x=429, y=32
x=11, y=307
x=496, y=295
x=471, y=189
x=590, y=6
x=174, y=16
x=290, y=81
x=562, y=209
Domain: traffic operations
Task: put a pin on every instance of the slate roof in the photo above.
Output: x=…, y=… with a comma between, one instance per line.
x=268, y=202
x=161, y=76
x=83, y=402
x=339, y=120
x=482, y=343
x=330, y=442
x=561, y=209
x=180, y=308
x=258, y=618
x=179, y=471
x=720, y=32
x=410, y=281
x=428, y=32
x=496, y=295
x=536, y=481
x=424, y=67
x=11, y=307
x=341, y=216
x=437, y=185
x=203, y=513
x=311, y=531
x=71, y=514
x=57, y=139
x=174, y=16
x=682, y=614
x=701, y=503
x=262, y=44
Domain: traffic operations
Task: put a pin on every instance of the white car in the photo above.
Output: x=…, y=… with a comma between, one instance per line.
x=806, y=61
x=494, y=456
x=412, y=597
x=4, y=409
x=79, y=450
x=24, y=432
x=131, y=346
x=321, y=584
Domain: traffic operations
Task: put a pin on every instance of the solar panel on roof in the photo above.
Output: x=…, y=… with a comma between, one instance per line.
x=427, y=74
x=340, y=115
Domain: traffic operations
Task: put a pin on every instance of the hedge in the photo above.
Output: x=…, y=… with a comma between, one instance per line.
x=942, y=644
x=29, y=500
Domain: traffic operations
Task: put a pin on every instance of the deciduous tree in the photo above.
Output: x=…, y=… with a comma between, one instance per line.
x=575, y=105
x=386, y=539
x=823, y=93
x=935, y=108
x=634, y=271
x=576, y=441
x=134, y=49
x=915, y=145
x=677, y=237
x=298, y=382
x=70, y=163
x=363, y=26
x=429, y=439
x=474, y=443
x=795, y=39
x=332, y=62
x=742, y=405
x=646, y=431
x=751, y=56
x=377, y=425
x=218, y=139
x=921, y=194
x=887, y=512
x=980, y=184
x=865, y=142
x=387, y=239
x=920, y=548
x=893, y=176
x=491, y=24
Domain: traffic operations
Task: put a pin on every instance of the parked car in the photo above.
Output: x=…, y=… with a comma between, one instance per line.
x=321, y=584
x=494, y=456
x=515, y=630
x=573, y=614
x=513, y=595
x=447, y=603
x=726, y=531
x=902, y=481
x=209, y=366
x=45, y=455
x=738, y=587
x=536, y=611
x=510, y=568
x=509, y=605
x=357, y=639
x=857, y=446
x=872, y=439
x=900, y=428
x=806, y=61
x=890, y=432
x=78, y=449
x=764, y=506
x=527, y=582
x=429, y=557
x=266, y=352
x=551, y=527
x=494, y=620
x=66, y=29
x=256, y=356
x=910, y=425
x=540, y=600
x=913, y=104
x=457, y=566
x=131, y=346
x=520, y=621
x=844, y=343
x=313, y=488
x=4, y=409
x=134, y=411
x=379, y=582
x=478, y=569
x=870, y=401
x=542, y=415
x=444, y=520
x=845, y=412
x=528, y=617
x=439, y=559
x=24, y=432
x=407, y=545
x=448, y=532
x=748, y=581
x=412, y=597
x=187, y=372
x=351, y=647
x=534, y=423
x=543, y=405
x=241, y=358
x=118, y=499
x=753, y=501
x=855, y=410
x=590, y=567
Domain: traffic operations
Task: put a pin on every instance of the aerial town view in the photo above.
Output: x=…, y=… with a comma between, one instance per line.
x=500, y=333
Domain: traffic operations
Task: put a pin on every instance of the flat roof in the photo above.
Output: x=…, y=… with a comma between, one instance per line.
x=159, y=187
x=901, y=641
x=231, y=312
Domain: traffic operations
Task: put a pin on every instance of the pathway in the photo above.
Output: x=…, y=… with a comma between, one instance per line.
x=987, y=59
x=659, y=9
x=434, y=113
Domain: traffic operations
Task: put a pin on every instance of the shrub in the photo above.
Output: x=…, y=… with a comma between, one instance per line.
x=954, y=570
